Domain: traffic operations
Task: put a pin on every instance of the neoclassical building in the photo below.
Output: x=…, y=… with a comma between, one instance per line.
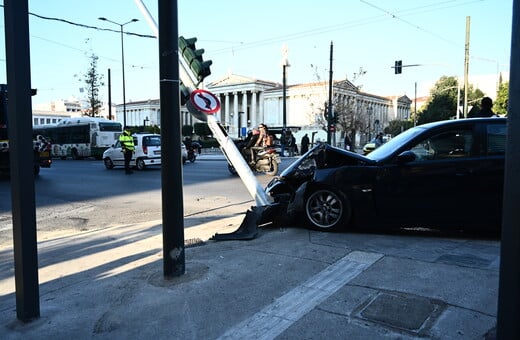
x=246, y=102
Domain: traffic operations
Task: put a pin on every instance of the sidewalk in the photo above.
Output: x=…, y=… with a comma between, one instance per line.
x=285, y=284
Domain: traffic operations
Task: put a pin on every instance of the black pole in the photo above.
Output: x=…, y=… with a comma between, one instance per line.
x=508, y=326
x=123, y=65
x=284, y=107
x=16, y=18
x=171, y=170
x=284, y=98
x=109, y=96
x=330, y=114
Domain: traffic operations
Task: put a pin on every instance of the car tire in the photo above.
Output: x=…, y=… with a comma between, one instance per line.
x=326, y=209
x=108, y=163
x=140, y=164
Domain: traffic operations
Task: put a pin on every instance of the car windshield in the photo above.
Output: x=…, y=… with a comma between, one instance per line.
x=388, y=148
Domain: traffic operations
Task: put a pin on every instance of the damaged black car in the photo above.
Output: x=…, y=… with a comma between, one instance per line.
x=439, y=175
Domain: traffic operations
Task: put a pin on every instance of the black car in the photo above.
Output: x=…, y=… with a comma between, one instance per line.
x=445, y=174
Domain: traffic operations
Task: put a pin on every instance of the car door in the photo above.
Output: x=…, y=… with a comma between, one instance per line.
x=437, y=188
x=116, y=154
x=489, y=175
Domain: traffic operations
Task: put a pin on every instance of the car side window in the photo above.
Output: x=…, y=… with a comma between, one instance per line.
x=496, y=139
x=445, y=145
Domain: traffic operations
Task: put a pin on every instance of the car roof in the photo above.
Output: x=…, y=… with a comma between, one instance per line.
x=461, y=121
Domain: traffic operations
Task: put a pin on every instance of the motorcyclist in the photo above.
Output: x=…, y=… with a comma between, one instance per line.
x=251, y=140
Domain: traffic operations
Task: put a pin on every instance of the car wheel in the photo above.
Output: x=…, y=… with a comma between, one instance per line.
x=108, y=163
x=140, y=164
x=326, y=209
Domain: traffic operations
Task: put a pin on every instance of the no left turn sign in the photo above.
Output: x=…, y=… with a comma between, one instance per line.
x=205, y=101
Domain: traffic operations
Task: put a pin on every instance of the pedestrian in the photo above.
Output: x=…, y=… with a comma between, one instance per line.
x=127, y=147
x=305, y=144
x=294, y=145
x=379, y=140
x=486, y=105
x=347, y=142
x=289, y=142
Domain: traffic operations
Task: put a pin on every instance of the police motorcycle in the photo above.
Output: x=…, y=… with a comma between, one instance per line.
x=266, y=159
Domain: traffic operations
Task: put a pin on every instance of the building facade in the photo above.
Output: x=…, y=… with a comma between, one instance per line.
x=247, y=102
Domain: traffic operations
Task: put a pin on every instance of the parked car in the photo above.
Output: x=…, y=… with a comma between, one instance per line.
x=372, y=145
x=445, y=174
x=147, y=152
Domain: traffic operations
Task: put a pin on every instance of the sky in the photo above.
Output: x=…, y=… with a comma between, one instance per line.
x=248, y=38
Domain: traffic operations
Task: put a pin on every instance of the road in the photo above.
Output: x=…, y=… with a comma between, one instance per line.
x=77, y=196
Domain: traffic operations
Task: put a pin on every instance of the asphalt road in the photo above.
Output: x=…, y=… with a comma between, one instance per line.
x=75, y=196
x=78, y=196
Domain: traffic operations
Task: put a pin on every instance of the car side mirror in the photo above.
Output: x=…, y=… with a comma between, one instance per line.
x=406, y=157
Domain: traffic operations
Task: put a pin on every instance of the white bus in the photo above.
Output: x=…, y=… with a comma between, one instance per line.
x=80, y=137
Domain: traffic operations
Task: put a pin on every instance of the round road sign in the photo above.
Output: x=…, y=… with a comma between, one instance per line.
x=205, y=101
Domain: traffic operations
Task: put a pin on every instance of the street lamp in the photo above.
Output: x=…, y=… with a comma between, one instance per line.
x=285, y=64
x=122, y=60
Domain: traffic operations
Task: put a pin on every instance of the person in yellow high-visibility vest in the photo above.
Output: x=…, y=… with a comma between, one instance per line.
x=127, y=146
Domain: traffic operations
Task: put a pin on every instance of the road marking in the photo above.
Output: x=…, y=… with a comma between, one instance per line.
x=289, y=308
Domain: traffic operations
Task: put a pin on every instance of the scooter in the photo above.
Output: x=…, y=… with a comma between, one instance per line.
x=193, y=150
x=266, y=161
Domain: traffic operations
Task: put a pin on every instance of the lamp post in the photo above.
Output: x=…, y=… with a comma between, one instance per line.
x=285, y=64
x=122, y=60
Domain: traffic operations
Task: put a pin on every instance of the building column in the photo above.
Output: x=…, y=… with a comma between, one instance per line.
x=226, y=118
x=253, y=109
x=261, y=117
x=244, y=109
x=235, y=113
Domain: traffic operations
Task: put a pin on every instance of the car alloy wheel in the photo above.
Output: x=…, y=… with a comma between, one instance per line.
x=326, y=209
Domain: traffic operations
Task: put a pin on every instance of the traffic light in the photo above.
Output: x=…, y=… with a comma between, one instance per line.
x=398, y=66
x=193, y=58
x=185, y=93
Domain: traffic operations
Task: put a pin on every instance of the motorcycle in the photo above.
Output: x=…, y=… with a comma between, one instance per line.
x=193, y=150
x=266, y=161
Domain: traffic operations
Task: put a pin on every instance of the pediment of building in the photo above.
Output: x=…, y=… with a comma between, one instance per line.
x=346, y=85
x=238, y=80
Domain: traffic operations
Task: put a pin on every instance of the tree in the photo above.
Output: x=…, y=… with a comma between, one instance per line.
x=93, y=81
x=395, y=127
x=187, y=130
x=500, y=105
x=202, y=129
x=443, y=100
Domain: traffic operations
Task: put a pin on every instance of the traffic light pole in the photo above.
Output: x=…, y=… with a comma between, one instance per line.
x=190, y=81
